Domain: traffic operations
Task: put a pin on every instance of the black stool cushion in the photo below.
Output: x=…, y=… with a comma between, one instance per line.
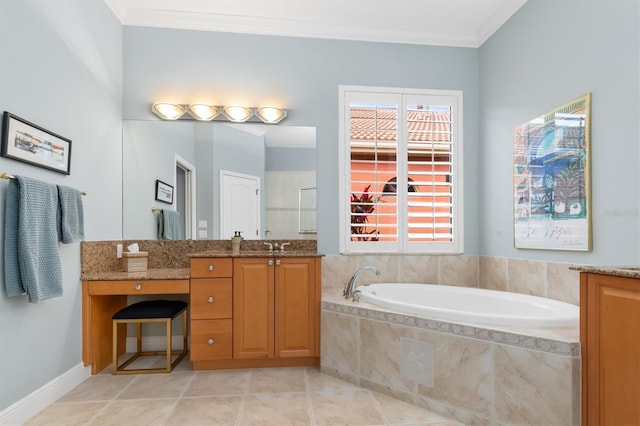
x=151, y=309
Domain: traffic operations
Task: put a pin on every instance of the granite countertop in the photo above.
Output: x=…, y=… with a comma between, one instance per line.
x=255, y=253
x=619, y=271
x=150, y=274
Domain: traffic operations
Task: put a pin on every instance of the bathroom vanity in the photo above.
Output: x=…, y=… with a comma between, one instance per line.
x=610, y=320
x=255, y=308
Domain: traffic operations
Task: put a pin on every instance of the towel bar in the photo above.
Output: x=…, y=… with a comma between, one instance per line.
x=8, y=176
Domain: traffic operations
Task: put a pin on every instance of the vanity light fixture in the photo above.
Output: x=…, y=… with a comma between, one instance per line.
x=237, y=114
x=271, y=115
x=168, y=111
x=205, y=112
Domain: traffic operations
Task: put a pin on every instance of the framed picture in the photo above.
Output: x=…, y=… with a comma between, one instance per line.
x=551, y=170
x=29, y=143
x=164, y=192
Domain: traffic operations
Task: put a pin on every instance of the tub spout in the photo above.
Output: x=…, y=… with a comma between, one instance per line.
x=350, y=289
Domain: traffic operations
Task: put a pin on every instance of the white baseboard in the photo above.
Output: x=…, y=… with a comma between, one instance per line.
x=21, y=411
x=154, y=343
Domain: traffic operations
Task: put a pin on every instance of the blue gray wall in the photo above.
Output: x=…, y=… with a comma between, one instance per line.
x=61, y=68
x=547, y=54
x=303, y=75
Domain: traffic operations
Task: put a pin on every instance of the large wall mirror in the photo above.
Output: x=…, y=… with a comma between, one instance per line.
x=225, y=177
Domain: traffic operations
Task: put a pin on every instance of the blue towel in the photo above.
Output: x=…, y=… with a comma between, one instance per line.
x=71, y=215
x=171, y=225
x=31, y=259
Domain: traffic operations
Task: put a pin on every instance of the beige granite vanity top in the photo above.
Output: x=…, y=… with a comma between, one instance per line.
x=150, y=274
x=255, y=253
x=620, y=271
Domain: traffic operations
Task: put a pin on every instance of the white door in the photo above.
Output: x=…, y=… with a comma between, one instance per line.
x=239, y=205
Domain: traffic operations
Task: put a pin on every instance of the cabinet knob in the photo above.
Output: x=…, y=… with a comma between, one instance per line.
x=210, y=299
x=138, y=286
x=270, y=262
x=278, y=262
x=211, y=341
x=210, y=268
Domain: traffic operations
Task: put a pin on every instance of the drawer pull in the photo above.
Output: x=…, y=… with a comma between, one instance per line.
x=211, y=341
x=138, y=286
x=210, y=268
x=210, y=299
x=278, y=262
x=270, y=262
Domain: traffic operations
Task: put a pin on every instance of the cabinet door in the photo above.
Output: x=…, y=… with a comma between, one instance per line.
x=295, y=307
x=613, y=350
x=253, y=308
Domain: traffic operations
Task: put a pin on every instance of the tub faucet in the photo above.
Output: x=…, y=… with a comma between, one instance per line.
x=350, y=288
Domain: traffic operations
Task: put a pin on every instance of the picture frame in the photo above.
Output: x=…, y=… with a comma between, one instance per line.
x=552, y=179
x=29, y=143
x=164, y=192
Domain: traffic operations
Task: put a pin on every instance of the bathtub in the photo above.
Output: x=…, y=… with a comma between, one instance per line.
x=467, y=304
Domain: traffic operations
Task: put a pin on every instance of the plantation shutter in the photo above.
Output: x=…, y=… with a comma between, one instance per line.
x=402, y=156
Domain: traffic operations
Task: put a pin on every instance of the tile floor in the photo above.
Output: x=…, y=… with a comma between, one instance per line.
x=273, y=396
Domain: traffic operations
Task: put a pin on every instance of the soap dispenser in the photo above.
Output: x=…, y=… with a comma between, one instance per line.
x=235, y=242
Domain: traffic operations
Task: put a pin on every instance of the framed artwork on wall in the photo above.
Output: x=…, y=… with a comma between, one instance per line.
x=551, y=179
x=29, y=143
x=164, y=192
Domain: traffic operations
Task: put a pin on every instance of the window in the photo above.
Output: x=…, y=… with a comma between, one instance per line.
x=400, y=162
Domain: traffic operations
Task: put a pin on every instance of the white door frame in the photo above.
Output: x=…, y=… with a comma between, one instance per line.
x=221, y=207
x=190, y=196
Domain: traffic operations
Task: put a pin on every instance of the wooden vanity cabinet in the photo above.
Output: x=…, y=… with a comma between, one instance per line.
x=272, y=317
x=610, y=338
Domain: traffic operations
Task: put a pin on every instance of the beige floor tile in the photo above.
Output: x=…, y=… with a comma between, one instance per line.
x=319, y=382
x=277, y=380
x=98, y=388
x=344, y=408
x=218, y=410
x=283, y=409
x=147, y=386
x=400, y=412
x=139, y=412
x=66, y=414
x=224, y=382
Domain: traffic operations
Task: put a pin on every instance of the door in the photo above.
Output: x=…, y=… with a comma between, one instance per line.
x=239, y=205
x=295, y=310
x=185, y=196
x=253, y=285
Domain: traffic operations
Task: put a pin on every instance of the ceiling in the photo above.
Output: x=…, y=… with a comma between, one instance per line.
x=461, y=23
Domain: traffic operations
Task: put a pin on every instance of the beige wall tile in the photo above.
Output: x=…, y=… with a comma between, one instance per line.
x=336, y=272
x=386, y=264
x=462, y=372
x=493, y=273
x=380, y=353
x=458, y=270
x=532, y=387
x=339, y=342
x=563, y=283
x=418, y=269
x=527, y=277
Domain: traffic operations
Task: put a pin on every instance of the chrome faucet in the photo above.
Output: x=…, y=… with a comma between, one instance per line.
x=350, y=288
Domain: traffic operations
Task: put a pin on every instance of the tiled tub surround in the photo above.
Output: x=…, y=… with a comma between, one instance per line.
x=544, y=279
x=483, y=376
x=480, y=376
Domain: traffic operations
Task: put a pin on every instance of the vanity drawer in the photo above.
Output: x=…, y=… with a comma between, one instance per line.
x=211, y=339
x=211, y=267
x=138, y=287
x=211, y=298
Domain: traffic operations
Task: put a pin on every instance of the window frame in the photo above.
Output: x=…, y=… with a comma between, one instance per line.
x=346, y=246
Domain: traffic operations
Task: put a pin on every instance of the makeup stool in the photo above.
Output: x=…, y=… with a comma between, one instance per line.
x=149, y=311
